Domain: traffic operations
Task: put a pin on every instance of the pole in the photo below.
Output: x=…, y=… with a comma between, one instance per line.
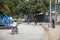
x=55, y=11
x=50, y=14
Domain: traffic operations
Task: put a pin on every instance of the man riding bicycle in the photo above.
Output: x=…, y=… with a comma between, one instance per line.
x=14, y=27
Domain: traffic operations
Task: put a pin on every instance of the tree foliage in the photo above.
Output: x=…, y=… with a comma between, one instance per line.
x=16, y=7
x=31, y=7
x=4, y=8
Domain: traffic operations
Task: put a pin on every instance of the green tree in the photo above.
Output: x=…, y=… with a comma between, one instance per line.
x=47, y=3
x=4, y=8
x=16, y=7
x=31, y=7
x=9, y=5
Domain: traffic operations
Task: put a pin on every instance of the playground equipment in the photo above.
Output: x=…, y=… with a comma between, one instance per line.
x=5, y=20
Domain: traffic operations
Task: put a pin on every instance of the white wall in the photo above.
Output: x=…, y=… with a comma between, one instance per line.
x=58, y=18
x=58, y=0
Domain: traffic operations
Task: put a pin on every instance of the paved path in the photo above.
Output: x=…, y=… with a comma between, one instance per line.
x=26, y=32
x=54, y=34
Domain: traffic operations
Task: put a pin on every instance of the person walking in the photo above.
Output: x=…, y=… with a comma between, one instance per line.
x=35, y=21
x=53, y=23
x=28, y=19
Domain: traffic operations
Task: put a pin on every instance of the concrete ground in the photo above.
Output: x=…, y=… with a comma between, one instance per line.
x=52, y=33
x=32, y=32
x=26, y=32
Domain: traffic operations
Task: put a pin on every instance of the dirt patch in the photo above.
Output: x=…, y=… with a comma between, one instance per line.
x=52, y=33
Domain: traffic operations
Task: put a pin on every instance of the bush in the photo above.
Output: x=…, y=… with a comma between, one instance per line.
x=16, y=16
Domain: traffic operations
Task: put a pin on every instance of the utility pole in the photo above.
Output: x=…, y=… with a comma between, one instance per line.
x=50, y=14
x=55, y=11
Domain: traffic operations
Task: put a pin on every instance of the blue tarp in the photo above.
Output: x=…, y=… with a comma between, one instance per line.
x=5, y=20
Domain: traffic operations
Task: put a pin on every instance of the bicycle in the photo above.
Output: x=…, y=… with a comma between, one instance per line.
x=14, y=30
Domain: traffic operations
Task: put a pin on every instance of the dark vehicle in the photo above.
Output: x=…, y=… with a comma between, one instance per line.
x=40, y=17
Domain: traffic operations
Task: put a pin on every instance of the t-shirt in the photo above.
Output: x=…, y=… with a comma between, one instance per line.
x=14, y=24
